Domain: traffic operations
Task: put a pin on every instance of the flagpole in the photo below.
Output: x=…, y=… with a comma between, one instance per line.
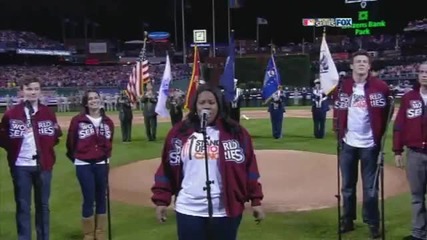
x=184, y=52
x=213, y=28
x=257, y=33
x=175, y=22
x=229, y=20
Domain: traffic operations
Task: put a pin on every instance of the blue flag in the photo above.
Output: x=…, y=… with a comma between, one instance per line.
x=271, y=79
x=227, y=78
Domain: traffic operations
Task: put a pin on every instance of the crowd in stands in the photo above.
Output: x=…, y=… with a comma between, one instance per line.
x=417, y=25
x=28, y=40
x=82, y=76
x=336, y=44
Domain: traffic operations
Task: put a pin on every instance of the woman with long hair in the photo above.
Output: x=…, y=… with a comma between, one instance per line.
x=89, y=146
x=231, y=166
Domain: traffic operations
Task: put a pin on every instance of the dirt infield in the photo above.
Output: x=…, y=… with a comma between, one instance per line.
x=291, y=180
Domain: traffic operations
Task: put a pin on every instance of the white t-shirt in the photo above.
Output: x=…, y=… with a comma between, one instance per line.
x=192, y=199
x=28, y=147
x=96, y=123
x=359, y=130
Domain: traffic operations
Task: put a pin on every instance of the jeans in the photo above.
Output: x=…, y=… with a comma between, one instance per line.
x=93, y=184
x=195, y=228
x=416, y=172
x=24, y=179
x=349, y=161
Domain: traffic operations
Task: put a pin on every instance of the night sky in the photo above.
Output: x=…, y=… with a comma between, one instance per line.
x=124, y=19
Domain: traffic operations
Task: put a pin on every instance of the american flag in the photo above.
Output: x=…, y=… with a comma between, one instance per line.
x=138, y=77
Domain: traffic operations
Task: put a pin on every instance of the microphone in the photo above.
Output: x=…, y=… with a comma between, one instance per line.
x=30, y=107
x=204, y=115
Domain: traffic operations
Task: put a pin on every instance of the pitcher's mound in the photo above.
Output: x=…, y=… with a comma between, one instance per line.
x=291, y=181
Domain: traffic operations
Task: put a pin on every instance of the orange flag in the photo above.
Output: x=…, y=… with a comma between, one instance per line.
x=194, y=82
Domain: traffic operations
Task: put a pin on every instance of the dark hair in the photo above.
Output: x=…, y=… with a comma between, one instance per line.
x=85, y=100
x=192, y=119
x=361, y=53
x=27, y=80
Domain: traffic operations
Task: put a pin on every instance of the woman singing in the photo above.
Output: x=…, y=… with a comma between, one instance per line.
x=232, y=171
x=89, y=145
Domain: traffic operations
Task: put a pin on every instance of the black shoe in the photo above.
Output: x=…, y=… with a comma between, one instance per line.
x=346, y=226
x=375, y=232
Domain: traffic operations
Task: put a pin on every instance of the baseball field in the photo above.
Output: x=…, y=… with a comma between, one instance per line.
x=298, y=174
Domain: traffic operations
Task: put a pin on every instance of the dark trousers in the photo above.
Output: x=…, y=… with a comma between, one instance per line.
x=349, y=162
x=195, y=228
x=150, y=127
x=416, y=172
x=126, y=126
x=319, y=119
x=93, y=184
x=24, y=179
x=276, y=117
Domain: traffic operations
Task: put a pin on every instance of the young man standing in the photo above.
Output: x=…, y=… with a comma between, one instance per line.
x=362, y=113
x=21, y=130
x=410, y=130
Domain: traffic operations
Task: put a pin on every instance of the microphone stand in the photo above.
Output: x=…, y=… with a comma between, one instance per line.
x=37, y=157
x=108, y=185
x=380, y=167
x=339, y=146
x=207, y=188
x=108, y=202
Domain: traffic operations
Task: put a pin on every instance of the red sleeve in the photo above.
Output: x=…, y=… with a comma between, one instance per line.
x=253, y=185
x=4, y=131
x=163, y=179
x=398, y=128
x=389, y=100
x=58, y=130
x=71, y=139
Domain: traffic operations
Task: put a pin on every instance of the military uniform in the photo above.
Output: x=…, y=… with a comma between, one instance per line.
x=150, y=116
x=234, y=106
x=126, y=116
x=320, y=107
x=276, y=109
x=175, y=103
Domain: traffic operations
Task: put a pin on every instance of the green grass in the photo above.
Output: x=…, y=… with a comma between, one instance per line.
x=134, y=222
x=243, y=109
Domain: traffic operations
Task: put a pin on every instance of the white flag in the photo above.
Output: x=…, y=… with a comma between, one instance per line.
x=164, y=90
x=328, y=73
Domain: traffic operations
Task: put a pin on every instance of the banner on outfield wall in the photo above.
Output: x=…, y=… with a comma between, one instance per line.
x=97, y=47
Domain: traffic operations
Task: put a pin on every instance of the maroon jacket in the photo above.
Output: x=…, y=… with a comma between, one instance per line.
x=377, y=95
x=84, y=142
x=12, y=129
x=240, y=178
x=410, y=126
